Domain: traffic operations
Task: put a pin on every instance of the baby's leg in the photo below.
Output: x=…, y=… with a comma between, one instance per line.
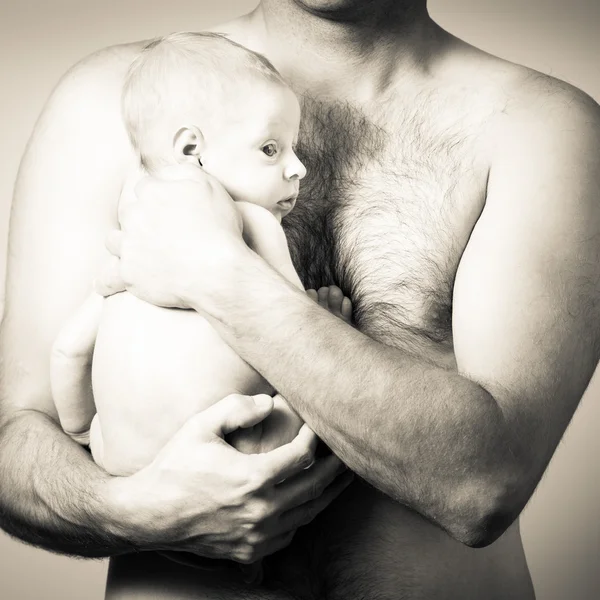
x=70, y=370
x=97, y=443
x=333, y=299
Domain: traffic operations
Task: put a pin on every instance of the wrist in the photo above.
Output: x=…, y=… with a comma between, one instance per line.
x=128, y=515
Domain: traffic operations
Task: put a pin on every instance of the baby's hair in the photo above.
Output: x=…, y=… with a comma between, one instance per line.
x=185, y=74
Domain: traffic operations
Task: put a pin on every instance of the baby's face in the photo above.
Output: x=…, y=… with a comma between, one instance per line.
x=252, y=154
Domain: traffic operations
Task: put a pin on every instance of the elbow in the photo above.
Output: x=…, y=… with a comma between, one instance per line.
x=484, y=531
x=481, y=518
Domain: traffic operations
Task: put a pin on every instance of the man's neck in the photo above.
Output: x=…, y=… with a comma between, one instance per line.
x=350, y=53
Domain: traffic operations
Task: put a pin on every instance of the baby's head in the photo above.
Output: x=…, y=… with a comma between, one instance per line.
x=200, y=98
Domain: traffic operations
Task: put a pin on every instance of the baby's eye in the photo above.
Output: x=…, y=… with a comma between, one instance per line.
x=270, y=149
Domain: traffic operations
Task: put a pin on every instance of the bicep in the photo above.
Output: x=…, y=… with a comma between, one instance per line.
x=526, y=295
x=65, y=201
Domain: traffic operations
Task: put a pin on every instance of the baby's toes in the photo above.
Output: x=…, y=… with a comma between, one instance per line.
x=335, y=300
x=323, y=297
x=346, y=312
x=312, y=294
x=332, y=299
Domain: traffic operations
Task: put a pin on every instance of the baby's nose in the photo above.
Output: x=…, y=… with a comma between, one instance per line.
x=295, y=170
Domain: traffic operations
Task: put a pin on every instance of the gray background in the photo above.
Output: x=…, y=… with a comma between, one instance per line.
x=40, y=39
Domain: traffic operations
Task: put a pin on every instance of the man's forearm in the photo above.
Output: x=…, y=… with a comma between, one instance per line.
x=424, y=435
x=52, y=494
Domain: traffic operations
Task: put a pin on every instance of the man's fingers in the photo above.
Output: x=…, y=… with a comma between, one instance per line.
x=234, y=412
x=251, y=555
x=114, y=241
x=110, y=281
x=279, y=542
x=309, y=484
x=302, y=515
x=287, y=460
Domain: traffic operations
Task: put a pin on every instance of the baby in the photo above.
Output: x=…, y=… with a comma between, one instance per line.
x=209, y=105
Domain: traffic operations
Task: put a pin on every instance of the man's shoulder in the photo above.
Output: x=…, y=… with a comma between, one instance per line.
x=104, y=68
x=552, y=116
x=87, y=99
x=514, y=92
x=111, y=58
x=546, y=130
x=520, y=95
x=530, y=109
x=541, y=97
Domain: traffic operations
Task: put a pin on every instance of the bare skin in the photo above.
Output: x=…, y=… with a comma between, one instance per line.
x=140, y=350
x=199, y=495
x=441, y=180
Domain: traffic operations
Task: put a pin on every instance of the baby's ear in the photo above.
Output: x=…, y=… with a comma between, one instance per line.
x=188, y=144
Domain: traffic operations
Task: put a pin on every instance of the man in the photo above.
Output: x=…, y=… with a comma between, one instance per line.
x=451, y=195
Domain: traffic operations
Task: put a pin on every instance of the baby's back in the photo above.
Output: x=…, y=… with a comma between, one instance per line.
x=153, y=368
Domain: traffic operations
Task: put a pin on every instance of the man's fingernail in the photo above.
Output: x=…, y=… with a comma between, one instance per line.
x=262, y=401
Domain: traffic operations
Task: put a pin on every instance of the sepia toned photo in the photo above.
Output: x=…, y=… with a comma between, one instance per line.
x=301, y=300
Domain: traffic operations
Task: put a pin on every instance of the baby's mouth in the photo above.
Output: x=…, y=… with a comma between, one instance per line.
x=288, y=203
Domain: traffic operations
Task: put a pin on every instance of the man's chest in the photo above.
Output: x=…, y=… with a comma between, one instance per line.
x=385, y=212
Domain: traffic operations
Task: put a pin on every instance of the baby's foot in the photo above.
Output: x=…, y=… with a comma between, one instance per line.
x=333, y=299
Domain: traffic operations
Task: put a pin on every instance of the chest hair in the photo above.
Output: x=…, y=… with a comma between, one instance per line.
x=385, y=211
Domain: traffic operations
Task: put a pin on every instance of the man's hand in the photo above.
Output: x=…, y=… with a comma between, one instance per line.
x=201, y=495
x=179, y=235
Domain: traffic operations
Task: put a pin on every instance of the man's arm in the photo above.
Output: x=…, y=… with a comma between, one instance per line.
x=465, y=449
x=52, y=494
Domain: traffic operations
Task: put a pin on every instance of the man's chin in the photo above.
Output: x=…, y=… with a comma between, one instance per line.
x=331, y=9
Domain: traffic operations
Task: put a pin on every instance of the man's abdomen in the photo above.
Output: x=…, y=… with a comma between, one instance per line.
x=363, y=547
x=368, y=546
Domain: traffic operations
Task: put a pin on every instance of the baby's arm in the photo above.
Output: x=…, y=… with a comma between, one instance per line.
x=70, y=372
x=264, y=234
